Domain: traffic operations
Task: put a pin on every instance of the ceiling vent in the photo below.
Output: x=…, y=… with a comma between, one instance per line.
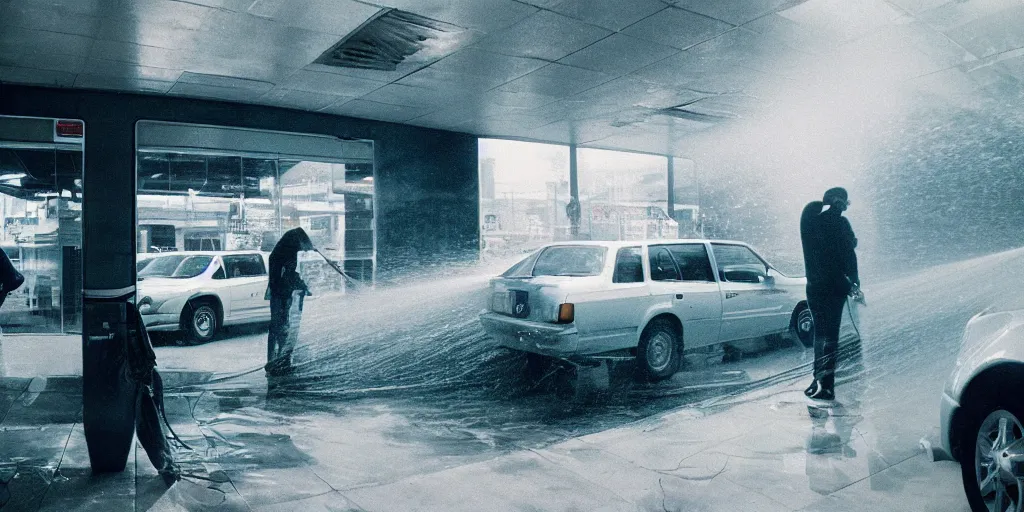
x=701, y=110
x=390, y=38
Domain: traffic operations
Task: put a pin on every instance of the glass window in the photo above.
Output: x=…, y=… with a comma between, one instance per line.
x=570, y=261
x=524, y=190
x=629, y=267
x=739, y=264
x=192, y=267
x=162, y=266
x=693, y=261
x=623, y=196
x=663, y=267
x=219, y=274
x=246, y=265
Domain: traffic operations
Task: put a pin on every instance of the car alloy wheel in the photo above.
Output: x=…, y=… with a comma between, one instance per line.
x=658, y=352
x=204, y=322
x=999, y=462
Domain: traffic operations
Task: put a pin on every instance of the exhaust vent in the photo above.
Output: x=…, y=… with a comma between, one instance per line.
x=390, y=38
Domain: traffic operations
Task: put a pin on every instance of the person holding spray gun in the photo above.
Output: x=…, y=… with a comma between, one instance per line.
x=831, y=266
x=286, y=291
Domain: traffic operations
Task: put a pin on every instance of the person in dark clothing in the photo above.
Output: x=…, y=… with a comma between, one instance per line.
x=830, y=261
x=10, y=278
x=284, y=282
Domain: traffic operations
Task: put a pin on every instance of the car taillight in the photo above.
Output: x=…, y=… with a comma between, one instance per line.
x=70, y=128
x=566, y=313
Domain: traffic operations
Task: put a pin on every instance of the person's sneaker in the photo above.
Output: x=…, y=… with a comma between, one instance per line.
x=823, y=394
x=812, y=389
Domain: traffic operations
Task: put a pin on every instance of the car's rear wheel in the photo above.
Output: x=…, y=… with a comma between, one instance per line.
x=657, y=355
x=803, y=326
x=992, y=460
x=201, y=322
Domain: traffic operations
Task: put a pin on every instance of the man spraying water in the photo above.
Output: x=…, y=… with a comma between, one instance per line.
x=831, y=265
x=286, y=291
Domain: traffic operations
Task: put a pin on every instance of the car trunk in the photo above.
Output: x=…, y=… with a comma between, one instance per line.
x=535, y=298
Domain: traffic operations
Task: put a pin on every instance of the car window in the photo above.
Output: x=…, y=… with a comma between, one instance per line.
x=219, y=274
x=244, y=265
x=663, y=267
x=570, y=261
x=738, y=264
x=162, y=266
x=192, y=267
x=523, y=268
x=694, y=263
x=629, y=266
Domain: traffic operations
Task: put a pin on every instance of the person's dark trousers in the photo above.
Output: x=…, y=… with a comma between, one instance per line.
x=827, y=311
x=278, y=335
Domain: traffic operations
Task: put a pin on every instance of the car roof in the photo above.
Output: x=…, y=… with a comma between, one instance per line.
x=630, y=243
x=203, y=253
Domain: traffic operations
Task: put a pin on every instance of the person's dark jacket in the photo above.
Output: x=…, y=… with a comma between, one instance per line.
x=829, y=251
x=10, y=278
x=284, y=260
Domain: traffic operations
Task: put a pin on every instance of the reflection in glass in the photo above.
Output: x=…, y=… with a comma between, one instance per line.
x=624, y=196
x=41, y=207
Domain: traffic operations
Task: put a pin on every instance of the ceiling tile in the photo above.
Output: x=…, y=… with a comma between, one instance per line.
x=227, y=82
x=301, y=100
x=246, y=68
x=86, y=7
x=677, y=28
x=379, y=111
x=618, y=54
x=84, y=81
x=917, y=6
x=16, y=40
x=992, y=34
x=338, y=17
x=952, y=14
x=126, y=70
x=36, y=76
x=164, y=13
x=610, y=14
x=484, y=15
x=434, y=79
x=330, y=83
x=403, y=69
x=146, y=34
x=215, y=92
x=41, y=60
x=847, y=20
x=397, y=94
x=556, y=80
x=475, y=62
x=736, y=12
x=137, y=54
x=52, y=19
x=544, y=35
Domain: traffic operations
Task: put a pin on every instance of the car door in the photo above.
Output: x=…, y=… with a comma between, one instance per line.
x=752, y=306
x=609, y=317
x=682, y=274
x=245, y=284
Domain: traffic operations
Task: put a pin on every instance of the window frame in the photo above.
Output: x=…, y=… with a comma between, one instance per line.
x=615, y=266
x=254, y=257
x=717, y=268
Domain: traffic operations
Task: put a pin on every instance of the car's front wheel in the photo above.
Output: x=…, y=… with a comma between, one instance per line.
x=992, y=460
x=201, y=322
x=657, y=355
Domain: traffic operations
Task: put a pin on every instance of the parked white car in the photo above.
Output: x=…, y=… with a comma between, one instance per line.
x=588, y=301
x=201, y=292
x=982, y=412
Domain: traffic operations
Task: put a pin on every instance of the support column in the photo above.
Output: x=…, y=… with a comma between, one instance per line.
x=671, y=187
x=573, y=210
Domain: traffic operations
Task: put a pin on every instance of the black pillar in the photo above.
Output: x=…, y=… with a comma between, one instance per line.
x=108, y=254
x=671, y=187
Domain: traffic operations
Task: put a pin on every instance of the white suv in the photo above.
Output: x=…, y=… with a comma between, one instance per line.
x=983, y=411
x=200, y=292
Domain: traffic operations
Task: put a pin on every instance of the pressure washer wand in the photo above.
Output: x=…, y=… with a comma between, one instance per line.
x=338, y=269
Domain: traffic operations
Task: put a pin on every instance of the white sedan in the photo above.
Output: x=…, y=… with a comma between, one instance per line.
x=200, y=292
x=587, y=301
x=983, y=411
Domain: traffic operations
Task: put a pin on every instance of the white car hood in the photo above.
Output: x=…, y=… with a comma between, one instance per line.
x=989, y=338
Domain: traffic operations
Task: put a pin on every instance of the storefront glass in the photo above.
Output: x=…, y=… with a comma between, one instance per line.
x=41, y=163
